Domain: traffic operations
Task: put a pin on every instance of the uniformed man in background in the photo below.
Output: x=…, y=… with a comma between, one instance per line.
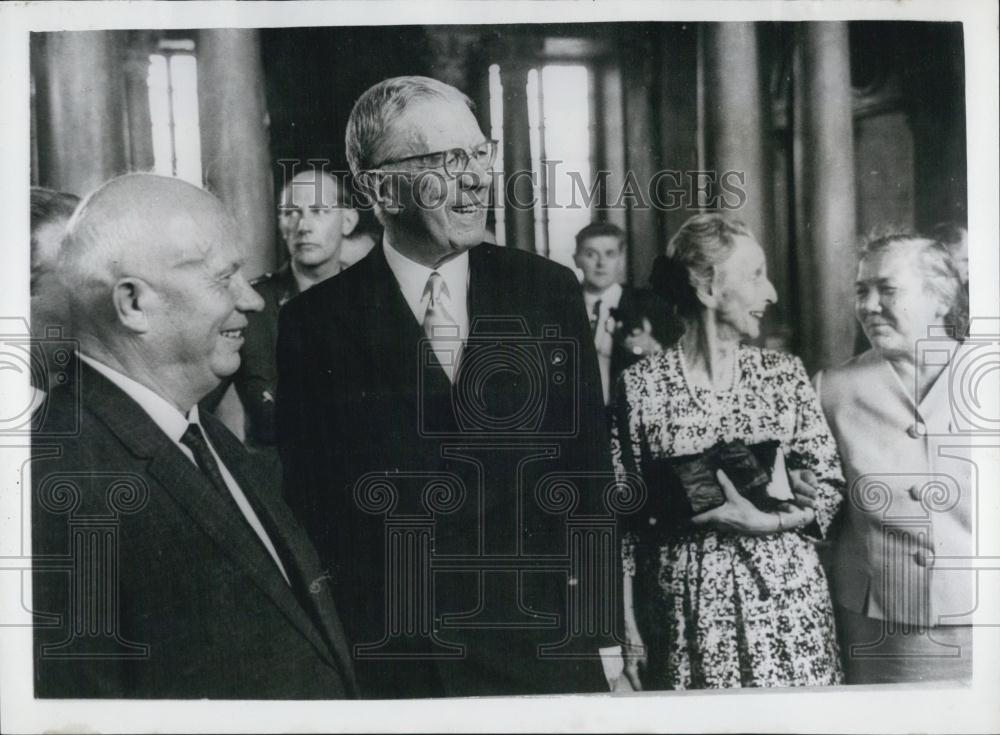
x=315, y=218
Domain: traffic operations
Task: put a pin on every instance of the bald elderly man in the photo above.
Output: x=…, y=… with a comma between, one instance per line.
x=170, y=562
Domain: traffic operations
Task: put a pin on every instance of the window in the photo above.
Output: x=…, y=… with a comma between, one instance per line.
x=173, y=110
x=559, y=107
x=496, y=132
x=559, y=131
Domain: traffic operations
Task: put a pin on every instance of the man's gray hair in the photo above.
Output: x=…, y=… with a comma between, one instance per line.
x=93, y=255
x=380, y=106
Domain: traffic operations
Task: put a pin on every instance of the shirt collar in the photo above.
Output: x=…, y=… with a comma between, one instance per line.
x=609, y=297
x=412, y=278
x=172, y=422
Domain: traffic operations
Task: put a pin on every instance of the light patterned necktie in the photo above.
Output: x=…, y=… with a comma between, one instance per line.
x=439, y=326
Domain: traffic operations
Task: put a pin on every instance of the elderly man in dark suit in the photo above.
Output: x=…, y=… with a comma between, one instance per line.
x=445, y=381
x=166, y=563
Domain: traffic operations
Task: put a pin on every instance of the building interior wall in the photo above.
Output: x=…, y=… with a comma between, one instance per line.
x=667, y=96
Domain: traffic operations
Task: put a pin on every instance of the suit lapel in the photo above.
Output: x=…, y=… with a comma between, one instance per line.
x=290, y=541
x=625, y=302
x=484, y=299
x=215, y=515
x=389, y=325
x=394, y=336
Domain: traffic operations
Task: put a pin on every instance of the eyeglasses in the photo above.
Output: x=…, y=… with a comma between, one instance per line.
x=454, y=161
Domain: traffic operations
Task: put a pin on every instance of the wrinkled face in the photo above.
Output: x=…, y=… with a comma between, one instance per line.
x=48, y=297
x=310, y=221
x=743, y=290
x=198, y=319
x=892, y=304
x=600, y=260
x=439, y=217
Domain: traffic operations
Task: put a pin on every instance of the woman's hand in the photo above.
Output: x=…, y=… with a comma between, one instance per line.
x=805, y=488
x=739, y=515
x=641, y=342
x=634, y=654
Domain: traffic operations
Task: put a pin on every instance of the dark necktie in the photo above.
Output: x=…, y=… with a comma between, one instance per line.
x=194, y=439
x=595, y=317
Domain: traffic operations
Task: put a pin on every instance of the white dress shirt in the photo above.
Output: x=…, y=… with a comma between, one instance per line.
x=173, y=423
x=412, y=279
x=603, y=336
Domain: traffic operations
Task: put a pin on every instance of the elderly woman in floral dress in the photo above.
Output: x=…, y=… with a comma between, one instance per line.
x=736, y=596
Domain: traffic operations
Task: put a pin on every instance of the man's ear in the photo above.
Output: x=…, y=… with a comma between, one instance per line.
x=387, y=193
x=131, y=297
x=348, y=221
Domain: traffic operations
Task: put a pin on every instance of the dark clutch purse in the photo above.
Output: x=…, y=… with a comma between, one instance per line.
x=681, y=487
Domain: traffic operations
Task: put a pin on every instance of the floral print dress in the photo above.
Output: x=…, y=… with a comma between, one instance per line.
x=721, y=609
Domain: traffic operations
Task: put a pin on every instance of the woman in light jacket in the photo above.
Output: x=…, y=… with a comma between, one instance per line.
x=909, y=489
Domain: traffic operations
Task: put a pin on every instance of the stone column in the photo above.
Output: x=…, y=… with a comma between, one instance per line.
x=734, y=125
x=518, y=188
x=235, y=150
x=642, y=155
x=81, y=136
x=140, y=127
x=827, y=229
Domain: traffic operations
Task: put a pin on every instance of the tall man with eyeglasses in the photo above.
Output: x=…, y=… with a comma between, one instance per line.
x=429, y=398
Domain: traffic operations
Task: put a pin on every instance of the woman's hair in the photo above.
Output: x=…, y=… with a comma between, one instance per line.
x=934, y=263
x=692, y=258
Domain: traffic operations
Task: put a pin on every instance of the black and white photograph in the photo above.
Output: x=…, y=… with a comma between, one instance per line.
x=500, y=366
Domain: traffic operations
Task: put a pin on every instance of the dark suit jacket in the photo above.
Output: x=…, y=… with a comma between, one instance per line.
x=186, y=600
x=357, y=396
